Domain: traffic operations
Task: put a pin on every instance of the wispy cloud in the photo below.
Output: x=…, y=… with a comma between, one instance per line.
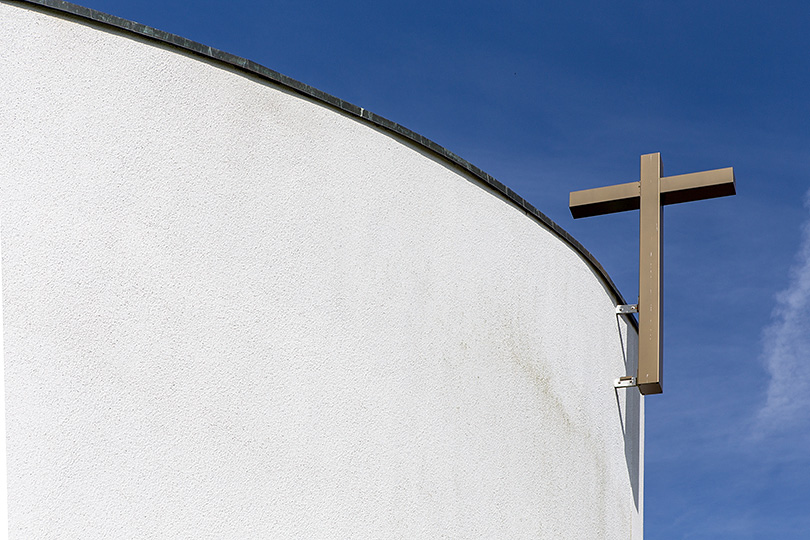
x=786, y=350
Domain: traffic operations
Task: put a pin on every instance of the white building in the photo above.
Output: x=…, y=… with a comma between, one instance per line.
x=237, y=307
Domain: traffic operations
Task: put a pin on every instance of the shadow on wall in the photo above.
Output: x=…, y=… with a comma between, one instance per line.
x=630, y=418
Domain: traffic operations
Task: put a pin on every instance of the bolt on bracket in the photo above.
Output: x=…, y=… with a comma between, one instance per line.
x=628, y=308
x=625, y=382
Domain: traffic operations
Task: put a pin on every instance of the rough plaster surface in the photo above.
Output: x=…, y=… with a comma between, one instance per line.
x=231, y=312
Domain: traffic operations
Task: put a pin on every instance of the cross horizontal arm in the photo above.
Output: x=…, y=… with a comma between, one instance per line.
x=674, y=189
x=604, y=200
x=698, y=186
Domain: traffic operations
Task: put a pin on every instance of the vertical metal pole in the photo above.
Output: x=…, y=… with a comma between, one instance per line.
x=650, y=287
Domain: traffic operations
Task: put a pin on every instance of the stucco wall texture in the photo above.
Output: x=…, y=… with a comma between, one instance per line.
x=234, y=312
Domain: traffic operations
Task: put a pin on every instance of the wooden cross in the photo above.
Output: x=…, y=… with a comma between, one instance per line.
x=650, y=194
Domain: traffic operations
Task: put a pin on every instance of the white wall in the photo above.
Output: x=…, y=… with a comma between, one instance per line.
x=233, y=312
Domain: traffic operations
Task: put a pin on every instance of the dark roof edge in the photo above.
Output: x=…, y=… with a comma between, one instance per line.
x=268, y=74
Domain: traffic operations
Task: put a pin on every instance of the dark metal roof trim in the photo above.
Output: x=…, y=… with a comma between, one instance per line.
x=262, y=72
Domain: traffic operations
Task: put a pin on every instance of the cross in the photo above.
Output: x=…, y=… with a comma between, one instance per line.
x=650, y=194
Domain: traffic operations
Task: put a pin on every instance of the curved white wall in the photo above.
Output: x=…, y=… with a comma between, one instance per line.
x=233, y=312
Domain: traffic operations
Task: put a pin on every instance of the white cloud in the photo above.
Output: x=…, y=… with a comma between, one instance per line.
x=786, y=349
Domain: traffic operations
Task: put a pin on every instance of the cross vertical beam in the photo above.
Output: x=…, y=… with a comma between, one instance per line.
x=651, y=277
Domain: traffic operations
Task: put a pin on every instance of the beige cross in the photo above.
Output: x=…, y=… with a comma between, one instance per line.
x=650, y=194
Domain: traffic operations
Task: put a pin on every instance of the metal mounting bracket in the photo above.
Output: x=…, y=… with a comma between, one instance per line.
x=625, y=309
x=625, y=382
x=629, y=381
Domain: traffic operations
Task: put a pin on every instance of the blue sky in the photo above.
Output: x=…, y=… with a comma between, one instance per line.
x=551, y=97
